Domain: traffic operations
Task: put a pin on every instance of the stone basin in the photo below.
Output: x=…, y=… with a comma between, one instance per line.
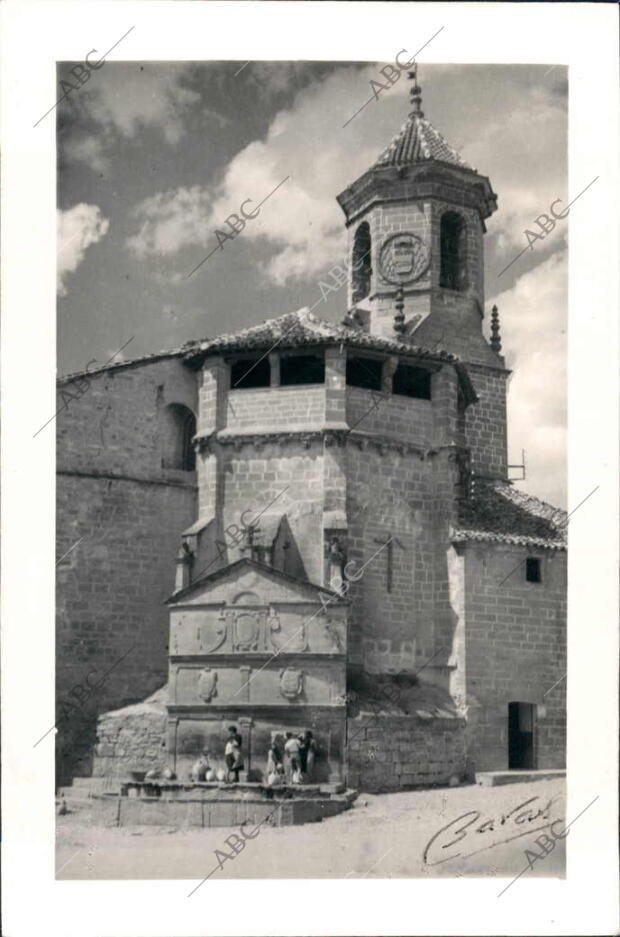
x=216, y=803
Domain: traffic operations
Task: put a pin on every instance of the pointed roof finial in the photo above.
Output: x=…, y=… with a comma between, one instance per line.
x=399, y=318
x=415, y=92
x=496, y=343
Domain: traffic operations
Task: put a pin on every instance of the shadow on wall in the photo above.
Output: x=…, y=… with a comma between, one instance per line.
x=286, y=553
x=396, y=694
x=75, y=742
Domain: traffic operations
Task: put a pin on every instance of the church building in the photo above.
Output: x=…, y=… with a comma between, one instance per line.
x=309, y=525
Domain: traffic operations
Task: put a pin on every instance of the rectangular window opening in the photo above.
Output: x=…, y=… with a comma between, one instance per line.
x=250, y=372
x=532, y=569
x=302, y=369
x=364, y=372
x=409, y=381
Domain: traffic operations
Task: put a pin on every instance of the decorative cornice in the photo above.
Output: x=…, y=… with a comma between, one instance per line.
x=170, y=482
x=198, y=660
x=209, y=442
x=197, y=711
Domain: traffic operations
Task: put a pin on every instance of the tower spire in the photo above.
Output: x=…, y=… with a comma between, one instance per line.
x=415, y=93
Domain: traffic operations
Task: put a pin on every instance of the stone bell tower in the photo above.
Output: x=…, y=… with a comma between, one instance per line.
x=416, y=220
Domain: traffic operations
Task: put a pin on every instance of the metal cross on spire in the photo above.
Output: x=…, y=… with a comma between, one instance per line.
x=415, y=92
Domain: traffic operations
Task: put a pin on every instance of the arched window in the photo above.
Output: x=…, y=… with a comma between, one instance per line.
x=453, y=274
x=360, y=263
x=178, y=427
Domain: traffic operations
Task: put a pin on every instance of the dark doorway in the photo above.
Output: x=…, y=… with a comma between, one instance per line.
x=521, y=725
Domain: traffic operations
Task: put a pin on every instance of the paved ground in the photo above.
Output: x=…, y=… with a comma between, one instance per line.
x=470, y=830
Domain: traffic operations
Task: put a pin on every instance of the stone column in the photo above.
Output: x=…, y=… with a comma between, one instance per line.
x=274, y=362
x=335, y=385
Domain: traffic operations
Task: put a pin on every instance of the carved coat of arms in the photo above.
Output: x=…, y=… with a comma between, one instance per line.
x=207, y=684
x=246, y=631
x=290, y=635
x=291, y=682
x=211, y=634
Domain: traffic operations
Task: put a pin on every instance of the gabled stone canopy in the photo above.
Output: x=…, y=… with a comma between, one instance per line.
x=250, y=574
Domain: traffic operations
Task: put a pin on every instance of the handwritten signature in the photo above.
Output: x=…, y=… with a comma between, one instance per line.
x=467, y=832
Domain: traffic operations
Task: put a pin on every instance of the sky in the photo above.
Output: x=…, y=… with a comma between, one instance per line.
x=154, y=157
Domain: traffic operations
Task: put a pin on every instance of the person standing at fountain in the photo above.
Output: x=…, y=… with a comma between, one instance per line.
x=293, y=759
x=307, y=753
x=232, y=754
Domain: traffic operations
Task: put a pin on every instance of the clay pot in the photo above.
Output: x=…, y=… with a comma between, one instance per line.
x=168, y=774
x=210, y=775
x=153, y=774
x=221, y=774
x=199, y=770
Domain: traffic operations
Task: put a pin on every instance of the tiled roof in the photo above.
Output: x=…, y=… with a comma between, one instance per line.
x=496, y=512
x=124, y=363
x=295, y=329
x=292, y=330
x=416, y=141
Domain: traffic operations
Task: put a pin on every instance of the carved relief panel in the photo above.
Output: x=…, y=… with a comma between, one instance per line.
x=283, y=628
x=207, y=684
x=291, y=682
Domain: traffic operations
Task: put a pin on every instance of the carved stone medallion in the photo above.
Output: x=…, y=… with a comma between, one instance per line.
x=403, y=258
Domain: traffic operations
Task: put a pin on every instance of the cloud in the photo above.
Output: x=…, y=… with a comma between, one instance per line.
x=129, y=97
x=529, y=180
x=88, y=149
x=172, y=220
x=301, y=220
x=123, y=100
x=533, y=324
x=307, y=141
x=78, y=228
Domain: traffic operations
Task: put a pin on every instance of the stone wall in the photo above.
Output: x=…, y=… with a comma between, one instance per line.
x=514, y=651
x=277, y=407
x=400, y=605
x=392, y=752
x=122, y=513
x=132, y=738
x=403, y=418
x=486, y=422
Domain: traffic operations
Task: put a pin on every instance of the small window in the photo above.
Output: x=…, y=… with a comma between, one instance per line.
x=177, y=428
x=250, y=372
x=302, y=369
x=364, y=372
x=532, y=569
x=453, y=270
x=361, y=270
x=412, y=382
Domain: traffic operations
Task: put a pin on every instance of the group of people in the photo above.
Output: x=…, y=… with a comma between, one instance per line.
x=294, y=762
x=291, y=762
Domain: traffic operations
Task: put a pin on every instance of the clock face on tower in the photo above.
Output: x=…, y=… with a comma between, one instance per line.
x=403, y=258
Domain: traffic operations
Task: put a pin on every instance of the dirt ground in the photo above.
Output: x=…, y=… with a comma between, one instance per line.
x=448, y=832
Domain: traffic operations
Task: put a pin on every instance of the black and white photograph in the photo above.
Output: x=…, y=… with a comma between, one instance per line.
x=303, y=563
x=309, y=613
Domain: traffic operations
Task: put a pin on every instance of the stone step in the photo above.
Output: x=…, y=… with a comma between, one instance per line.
x=84, y=788
x=494, y=778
